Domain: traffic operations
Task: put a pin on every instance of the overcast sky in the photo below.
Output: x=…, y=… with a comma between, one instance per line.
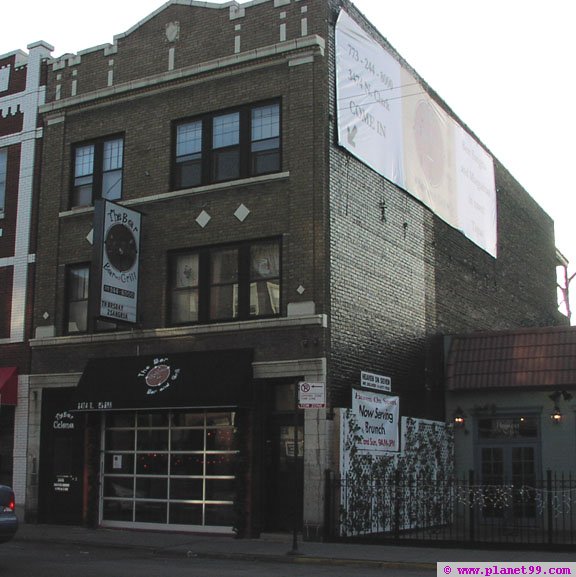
x=504, y=66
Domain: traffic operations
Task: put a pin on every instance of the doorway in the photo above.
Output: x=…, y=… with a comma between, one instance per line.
x=61, y=460
x=508, y=455
x=284, y=462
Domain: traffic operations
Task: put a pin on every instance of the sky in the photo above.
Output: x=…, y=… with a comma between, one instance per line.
x=503, y=66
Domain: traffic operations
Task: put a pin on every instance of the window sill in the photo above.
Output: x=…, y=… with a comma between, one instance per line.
x=210, y=188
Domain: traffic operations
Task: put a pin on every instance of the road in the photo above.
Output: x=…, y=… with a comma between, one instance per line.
x=28, y=559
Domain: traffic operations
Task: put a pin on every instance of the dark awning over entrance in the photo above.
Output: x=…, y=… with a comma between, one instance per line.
x=195, y=379
x=8, y=386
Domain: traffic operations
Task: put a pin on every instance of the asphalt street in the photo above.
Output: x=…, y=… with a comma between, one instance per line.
x=33, y=559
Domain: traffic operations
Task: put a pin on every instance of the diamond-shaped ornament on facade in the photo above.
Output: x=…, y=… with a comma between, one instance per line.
x=300, y=290
x=203, y=219
x=242, y=213
x=90, y=237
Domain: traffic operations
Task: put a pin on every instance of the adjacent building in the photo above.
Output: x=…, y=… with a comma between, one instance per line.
x=236, y=199
x=512, y=393
x=22, y=90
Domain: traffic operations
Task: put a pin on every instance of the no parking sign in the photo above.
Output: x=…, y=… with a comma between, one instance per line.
x=311, y=395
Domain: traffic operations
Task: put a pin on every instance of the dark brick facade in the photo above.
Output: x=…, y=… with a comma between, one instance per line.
x=380, y=278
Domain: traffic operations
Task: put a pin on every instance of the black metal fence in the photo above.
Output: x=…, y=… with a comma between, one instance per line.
x=454, y=511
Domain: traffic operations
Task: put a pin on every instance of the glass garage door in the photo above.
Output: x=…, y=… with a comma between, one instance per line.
x=169, y=468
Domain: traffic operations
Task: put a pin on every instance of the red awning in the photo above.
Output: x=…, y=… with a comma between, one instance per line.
x=526, y=358
x=8, y=386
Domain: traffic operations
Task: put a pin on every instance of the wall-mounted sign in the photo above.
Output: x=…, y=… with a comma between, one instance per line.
x=376, y=382
x=64, y=483
x=63, y=420
x=117, y=231
x=311, y=395
x=387, y=120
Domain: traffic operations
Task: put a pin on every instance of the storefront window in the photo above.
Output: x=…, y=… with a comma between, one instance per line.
x=174, y=468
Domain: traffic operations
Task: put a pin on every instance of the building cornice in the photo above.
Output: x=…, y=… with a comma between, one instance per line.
x=308, y=45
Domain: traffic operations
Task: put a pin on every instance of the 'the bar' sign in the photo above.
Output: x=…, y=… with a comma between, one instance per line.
x=117, y=244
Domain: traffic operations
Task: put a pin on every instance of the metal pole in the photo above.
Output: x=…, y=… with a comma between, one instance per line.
x=549, y=506
x=294, y=550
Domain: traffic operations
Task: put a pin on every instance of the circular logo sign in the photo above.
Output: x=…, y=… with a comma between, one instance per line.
x=121, y=247
x=157, y=376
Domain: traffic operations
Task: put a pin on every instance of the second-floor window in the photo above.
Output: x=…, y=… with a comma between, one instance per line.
x=97, y=171
x=77, y=299
x=77, y=281
x=3, y=172
x=227, y=146
x=233, y=282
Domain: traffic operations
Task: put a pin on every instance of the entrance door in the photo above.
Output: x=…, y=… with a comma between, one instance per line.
x=508, y=455
x=284, y=475
x=509, y=476
x=61, y=460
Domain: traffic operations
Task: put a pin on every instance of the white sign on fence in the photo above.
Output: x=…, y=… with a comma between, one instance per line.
x=377, y=416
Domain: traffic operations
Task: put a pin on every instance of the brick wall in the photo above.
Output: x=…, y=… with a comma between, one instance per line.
x=290, y=205
x=18, y=71
x=396, y=278
x=400, y=277
x=203, y=35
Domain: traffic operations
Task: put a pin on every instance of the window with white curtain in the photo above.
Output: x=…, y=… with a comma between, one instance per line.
x=232, y=282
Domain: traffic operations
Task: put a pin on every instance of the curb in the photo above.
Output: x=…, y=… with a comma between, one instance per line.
x=303, y=559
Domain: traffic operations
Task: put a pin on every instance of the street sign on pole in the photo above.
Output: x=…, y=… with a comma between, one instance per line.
x=311, y=395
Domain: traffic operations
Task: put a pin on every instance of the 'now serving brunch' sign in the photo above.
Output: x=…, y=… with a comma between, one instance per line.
x=377, y=416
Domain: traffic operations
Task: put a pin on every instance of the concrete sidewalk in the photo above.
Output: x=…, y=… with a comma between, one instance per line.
x=277, y=548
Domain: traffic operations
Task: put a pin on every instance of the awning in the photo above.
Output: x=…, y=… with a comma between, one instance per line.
x=197, y=379
x=527, y=358
x=8, y=386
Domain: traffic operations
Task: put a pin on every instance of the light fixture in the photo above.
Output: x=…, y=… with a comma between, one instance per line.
x=459, y=418
x=555, y=396
x=556, y=415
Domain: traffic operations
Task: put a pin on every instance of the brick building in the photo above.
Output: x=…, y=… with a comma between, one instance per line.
x=263, y=253
x=22, y=90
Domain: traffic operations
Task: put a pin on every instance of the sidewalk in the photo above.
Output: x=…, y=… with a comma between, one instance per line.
x=275, y=548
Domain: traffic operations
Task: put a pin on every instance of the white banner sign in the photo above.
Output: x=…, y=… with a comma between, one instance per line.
x=388, y=121
x=118, y=234
x=377, y=416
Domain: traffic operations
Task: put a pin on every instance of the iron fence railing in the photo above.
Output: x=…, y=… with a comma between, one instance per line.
x=453, y=510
